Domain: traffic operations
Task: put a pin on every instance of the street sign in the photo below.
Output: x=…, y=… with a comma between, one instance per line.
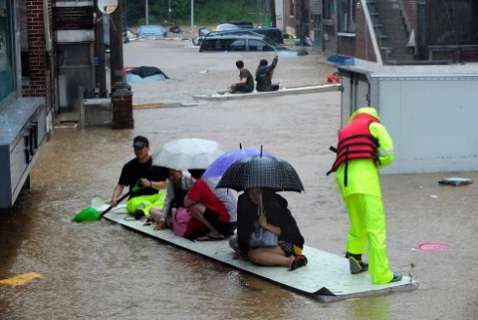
x=107, y=6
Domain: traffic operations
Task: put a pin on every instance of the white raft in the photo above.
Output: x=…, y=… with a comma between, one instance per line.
x=325, y=277
x=280, y=92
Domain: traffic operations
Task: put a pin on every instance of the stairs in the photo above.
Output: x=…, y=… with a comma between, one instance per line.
x=390, y=30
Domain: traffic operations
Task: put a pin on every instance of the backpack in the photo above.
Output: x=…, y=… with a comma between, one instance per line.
x=261, y=75
x=184, y=225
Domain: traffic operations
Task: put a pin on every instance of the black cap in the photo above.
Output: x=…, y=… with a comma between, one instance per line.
x=140, y=142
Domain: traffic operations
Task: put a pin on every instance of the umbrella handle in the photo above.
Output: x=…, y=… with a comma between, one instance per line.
x=111, y=207
x=260, y=207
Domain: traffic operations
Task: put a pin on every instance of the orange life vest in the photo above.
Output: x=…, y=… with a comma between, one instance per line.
x=355, y=142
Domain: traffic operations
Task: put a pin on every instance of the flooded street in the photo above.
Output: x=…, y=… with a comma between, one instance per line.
x=103, y=271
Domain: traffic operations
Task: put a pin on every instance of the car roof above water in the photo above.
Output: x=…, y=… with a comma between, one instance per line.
x=234, y=36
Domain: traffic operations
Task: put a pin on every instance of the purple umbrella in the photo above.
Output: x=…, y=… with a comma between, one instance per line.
x=221, y=164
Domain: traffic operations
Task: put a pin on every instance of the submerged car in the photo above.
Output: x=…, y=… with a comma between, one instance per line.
x=242, y=24
x=152, y=32
x=226, y=26
x=244, y=43
x=271, y=35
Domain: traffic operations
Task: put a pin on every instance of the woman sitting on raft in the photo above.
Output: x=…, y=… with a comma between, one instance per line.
x=276, y=219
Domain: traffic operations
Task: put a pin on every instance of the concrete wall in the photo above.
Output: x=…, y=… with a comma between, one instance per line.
x=346, y=45
x=279, y=6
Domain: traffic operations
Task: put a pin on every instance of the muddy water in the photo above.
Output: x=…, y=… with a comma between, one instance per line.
x=103, y=271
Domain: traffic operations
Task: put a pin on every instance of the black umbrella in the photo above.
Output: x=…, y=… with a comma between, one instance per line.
x=261, y=172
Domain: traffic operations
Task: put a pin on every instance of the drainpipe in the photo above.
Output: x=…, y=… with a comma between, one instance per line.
x=422, y=29
x=371, y=31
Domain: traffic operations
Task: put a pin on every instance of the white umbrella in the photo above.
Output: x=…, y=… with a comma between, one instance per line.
x=185, y=154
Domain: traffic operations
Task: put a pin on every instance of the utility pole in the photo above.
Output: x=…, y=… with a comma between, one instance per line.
x=116, y=45
x=192, y=19
x=169, y=11
x=121, y=94
x=100, y=56
x=421, y=34
x=146, y=11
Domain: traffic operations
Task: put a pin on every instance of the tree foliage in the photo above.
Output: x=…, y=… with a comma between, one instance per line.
x=205, y=11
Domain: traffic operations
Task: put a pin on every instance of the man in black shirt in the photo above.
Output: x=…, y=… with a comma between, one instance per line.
x=264, y=74
x=246, y=80
x=141, y=172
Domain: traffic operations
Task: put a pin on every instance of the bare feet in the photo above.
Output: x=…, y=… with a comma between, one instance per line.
x=160, y=225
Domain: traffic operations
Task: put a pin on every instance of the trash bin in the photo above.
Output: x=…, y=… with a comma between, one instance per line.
x=122, y=100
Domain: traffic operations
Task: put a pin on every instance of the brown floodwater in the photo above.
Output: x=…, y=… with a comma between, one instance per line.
x=103, y=271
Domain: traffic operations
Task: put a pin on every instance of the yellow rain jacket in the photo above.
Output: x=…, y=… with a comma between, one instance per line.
x=363, y=175
x=362, y=197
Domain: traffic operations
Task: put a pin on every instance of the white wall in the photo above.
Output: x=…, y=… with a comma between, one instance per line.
x=280, y=14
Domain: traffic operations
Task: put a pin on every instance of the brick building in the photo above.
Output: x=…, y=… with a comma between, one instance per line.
x=294, y=16
x=37, y=49
x=400, y=31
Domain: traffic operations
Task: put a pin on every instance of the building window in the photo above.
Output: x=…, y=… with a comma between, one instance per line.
x=258, y=45
x=7, y=60
x=238, y=45
x=24, y=48
x=328, y=9
x=346, y=16
x=292, y=8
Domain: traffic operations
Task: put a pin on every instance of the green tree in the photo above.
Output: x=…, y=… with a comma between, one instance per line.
x=205, y=11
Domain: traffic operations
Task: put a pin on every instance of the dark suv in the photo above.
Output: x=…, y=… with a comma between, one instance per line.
x=235, y=43
x=274, y=35
x=234, y=32
x=244, y=43
x=271, y=35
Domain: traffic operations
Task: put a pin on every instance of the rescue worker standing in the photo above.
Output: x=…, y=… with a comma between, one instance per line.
x=364, y=146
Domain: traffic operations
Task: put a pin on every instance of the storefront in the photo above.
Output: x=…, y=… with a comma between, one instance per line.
x=23, y=124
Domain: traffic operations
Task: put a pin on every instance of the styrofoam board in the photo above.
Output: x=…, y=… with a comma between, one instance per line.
x=325, y=276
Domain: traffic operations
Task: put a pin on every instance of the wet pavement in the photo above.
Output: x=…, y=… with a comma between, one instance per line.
x=103, y=271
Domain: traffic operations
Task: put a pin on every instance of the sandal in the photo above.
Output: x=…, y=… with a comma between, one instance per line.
x=299, y=261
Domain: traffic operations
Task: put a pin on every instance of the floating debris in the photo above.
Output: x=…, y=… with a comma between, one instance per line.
x=21, y=279
x=455, y=181
x=432, y=246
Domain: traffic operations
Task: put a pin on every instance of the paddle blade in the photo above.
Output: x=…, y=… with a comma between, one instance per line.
x=88, y=214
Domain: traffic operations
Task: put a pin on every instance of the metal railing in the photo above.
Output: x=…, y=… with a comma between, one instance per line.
x=405, y=18
x=371, y=31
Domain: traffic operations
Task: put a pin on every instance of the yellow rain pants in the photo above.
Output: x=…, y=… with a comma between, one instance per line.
x=367, y=226
x=363, y=200
x=146, y=202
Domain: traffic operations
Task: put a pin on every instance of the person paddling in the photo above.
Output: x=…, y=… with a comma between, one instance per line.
x=140, y=171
